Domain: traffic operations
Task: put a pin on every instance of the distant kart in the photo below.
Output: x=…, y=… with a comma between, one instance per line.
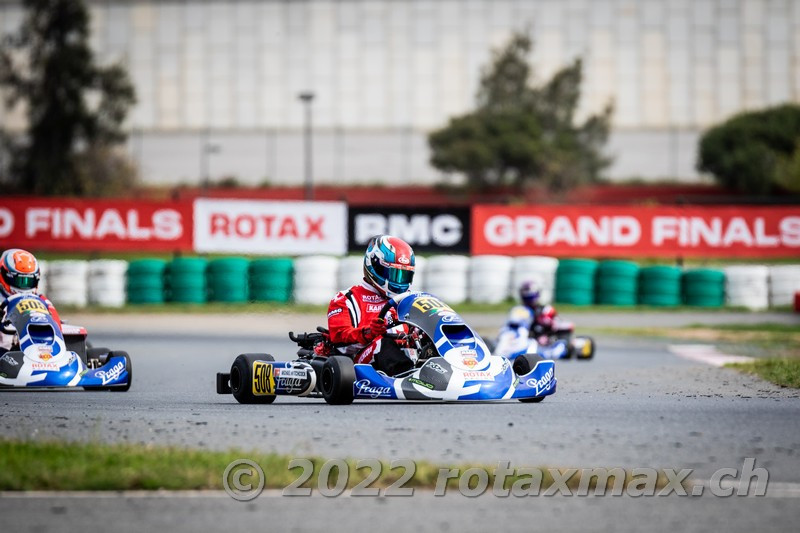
x=515, y=339
x=46, y=355
x=451, y=363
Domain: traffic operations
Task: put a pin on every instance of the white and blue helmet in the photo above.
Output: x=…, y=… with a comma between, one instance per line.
x=389, y=265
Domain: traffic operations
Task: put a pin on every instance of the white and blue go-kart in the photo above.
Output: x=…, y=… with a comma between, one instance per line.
x=47, y=355
x=451, y=363
x=515, y=339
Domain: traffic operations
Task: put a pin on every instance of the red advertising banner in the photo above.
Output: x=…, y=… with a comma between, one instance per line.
x=85, y=225
x=617, y=231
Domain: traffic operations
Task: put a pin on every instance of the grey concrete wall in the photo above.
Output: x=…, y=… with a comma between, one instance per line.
x=385, y=72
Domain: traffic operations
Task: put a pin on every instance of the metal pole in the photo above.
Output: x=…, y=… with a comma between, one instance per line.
x=204, y=154
x=307, y=97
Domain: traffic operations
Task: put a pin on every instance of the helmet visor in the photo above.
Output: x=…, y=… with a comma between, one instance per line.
x=21, y=281
x=396, y=275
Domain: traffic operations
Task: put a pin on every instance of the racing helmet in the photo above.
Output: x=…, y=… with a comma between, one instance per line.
x=529, y=293
x=519, y=316
x=19, y=272
x=389, y=265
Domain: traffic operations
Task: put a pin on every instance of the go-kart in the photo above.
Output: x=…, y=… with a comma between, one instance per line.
x=46, y=354
x=451, y=362
x=559, y=342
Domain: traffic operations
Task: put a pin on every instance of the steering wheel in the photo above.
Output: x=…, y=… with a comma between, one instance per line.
x=383, y=313
x=425, y=344
x=386, y=307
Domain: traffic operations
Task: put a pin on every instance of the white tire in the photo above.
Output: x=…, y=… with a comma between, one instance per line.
x=450, y=295
x=447, y=264
x=71, y=296
x=312, y=295
x=351, y=271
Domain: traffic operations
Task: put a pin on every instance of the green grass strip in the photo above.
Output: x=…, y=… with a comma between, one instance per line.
x=50, y=465
x=783, y=372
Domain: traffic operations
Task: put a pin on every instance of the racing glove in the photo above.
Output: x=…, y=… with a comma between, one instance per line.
x=376, y=328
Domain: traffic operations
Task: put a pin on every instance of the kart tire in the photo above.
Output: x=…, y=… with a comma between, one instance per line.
x=524, y=364
x=101, y=354
x=242, y=378
x=128, y=367
x=580, y=356
x=336, y=381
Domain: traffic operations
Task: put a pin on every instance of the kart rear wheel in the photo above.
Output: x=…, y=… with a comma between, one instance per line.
x=336, y=381
x=242, y=378
x=584, y=354
x=524, y=364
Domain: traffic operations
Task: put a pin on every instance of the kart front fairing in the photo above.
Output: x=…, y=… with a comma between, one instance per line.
x=42, y=359
x=463, y=367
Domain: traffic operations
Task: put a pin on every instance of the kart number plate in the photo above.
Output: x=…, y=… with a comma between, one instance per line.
x=263, y=379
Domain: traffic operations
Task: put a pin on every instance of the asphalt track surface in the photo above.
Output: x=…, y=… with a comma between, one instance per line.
x=635, y=405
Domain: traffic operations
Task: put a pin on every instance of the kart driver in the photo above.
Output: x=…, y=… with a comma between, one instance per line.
x=353, y=314
x=543, y=315
x=19, y=274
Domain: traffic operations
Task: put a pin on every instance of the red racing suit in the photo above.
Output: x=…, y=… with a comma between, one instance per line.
x=350, y=313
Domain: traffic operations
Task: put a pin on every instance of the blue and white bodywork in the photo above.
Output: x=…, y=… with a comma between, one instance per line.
x=514, y=338
x=42, y=359
x=463, y=367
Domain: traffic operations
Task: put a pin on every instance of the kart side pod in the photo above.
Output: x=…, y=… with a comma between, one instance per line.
x=258, y=378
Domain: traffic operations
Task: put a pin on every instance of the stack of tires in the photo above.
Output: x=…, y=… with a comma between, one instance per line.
x=228, y=279
x=145, y=283
x=271, y=279
x=703, y=287
x=538, y=269
x=660, y=285
x=43, y=276
x=617, y=283
x=315, y=279
x=784, y=282
x=186, y=280
x=106, y=282
x=446, y=277
x=747, y=286
x=489, y=278
x=575, y=281
x=351, y=271
x=66, y=283
x=419, y=274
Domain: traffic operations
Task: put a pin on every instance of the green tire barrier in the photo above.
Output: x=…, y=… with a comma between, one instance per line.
x=660, y=286
x=704, y=287
x=617, y=283
x=271, y=279
x=186, y=280
x=228, y=279
x=575, y=281
x=145, y=281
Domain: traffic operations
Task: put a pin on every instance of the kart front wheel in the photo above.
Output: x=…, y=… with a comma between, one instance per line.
x=523, y=365
x=104, y=358
x=128, y=367
x=338, y=376
x=242, y=383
